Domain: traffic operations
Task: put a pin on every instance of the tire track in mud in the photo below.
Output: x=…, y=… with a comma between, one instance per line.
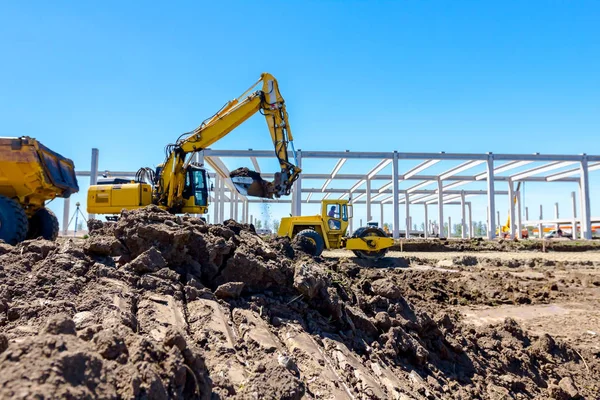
x=173, y=308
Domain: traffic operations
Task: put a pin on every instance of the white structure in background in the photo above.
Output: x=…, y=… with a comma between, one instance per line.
x=440, y=189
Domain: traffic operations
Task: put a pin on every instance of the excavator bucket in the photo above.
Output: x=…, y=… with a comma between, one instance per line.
x=250, y=183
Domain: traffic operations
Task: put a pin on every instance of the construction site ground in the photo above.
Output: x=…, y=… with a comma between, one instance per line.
x=570, y=310
x=159, y=306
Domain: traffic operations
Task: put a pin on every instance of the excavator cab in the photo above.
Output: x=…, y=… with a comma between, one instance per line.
x=195, y=191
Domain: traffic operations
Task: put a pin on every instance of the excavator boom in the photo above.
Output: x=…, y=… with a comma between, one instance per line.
x=269, y=102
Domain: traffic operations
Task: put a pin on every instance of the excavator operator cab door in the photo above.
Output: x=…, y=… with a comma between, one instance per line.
x=195, y=191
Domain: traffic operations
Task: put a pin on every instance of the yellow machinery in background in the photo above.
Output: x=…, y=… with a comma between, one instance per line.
x=328, y=231
x=504, y=231
x=30, y=175
x=180, y=186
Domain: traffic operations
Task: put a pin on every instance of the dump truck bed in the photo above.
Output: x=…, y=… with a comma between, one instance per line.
x=33, y=173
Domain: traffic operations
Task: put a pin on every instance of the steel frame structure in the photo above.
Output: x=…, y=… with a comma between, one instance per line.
x=439, y=188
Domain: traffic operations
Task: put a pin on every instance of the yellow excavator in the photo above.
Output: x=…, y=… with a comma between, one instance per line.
x=181, y=186
x=504, y=231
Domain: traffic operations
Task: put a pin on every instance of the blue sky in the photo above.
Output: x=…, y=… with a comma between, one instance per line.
x=469, y=76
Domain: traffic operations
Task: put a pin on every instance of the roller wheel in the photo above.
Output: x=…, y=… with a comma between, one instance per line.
x=315, y=244
x=43, y=224
x=13, y=221
x=364, y=233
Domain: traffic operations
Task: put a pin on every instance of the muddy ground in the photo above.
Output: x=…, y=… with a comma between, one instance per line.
x=479, y=244
x=159, y=306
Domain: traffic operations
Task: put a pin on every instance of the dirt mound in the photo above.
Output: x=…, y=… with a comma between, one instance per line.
x=163, y=306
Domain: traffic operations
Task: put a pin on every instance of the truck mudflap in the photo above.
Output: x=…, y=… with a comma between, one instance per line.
x=59, y=170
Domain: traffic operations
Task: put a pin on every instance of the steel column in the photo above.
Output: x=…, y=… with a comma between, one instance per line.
x=297, y=211
x=381, y=219
x=236, y=204
x=586, y=226
x=369, y=215
x=463, y=221
x=491, y=197
x=449, y=227
x=407, y=210
x=511, y=204
x=215, y=205
x=222, y=200
x=246, y=211
x=426, y=224
x=395, y=204
x=471, y=230
x=540, y=226
x=574, y=222
x=441, y=206
x=557, y=226
x=66, y=212
x=243, y=221
x=94, y=173
x=519, y=216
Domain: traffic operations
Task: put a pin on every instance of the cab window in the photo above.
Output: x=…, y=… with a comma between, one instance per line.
x=345, y=212
x=195, y=185
x=200, y=191
x=333, y=211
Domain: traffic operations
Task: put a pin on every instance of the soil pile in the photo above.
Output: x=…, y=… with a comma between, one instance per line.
x=161, y=306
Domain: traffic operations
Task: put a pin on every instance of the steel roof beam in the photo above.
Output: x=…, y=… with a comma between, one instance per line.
x=538, y=170
x=571, y=172
x=218, y=165
x=405, y=156
x=460, y=168
x=421, y=167
x=503, y=168
x=131, y=174
x=255, y=163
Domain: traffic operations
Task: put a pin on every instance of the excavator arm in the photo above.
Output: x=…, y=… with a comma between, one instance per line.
x=269, y=102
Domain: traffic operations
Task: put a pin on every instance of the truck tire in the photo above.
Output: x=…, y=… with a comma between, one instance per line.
x=315, y=239
x=13, y=221
x=43, y=224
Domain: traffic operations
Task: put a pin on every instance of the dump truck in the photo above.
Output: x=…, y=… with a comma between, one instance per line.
x=31, y=175
x=328, y=231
